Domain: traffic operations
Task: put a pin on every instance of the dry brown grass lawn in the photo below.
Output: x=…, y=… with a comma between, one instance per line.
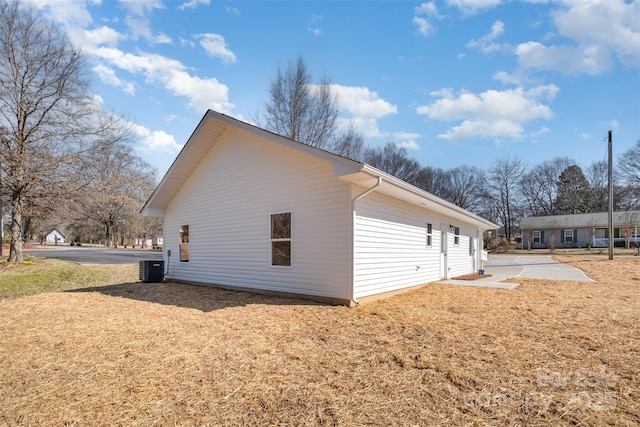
x=546, y=353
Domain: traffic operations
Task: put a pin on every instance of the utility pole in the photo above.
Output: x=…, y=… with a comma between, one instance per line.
x=611, y=240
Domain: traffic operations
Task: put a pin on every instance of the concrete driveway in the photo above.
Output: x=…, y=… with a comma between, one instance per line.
x=504, y=266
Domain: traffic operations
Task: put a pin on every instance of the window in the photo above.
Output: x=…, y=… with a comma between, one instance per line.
x=281, y=239
x=537, y=237
x=184, y=243
x=568, y=236
x=429, y=235
x=456, y=236
x=472, y=245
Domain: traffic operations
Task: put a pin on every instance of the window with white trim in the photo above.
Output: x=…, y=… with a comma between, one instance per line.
x=537, y=237
x=568, y=236
x=456, y=236
x=281, y=239
x=429, y=235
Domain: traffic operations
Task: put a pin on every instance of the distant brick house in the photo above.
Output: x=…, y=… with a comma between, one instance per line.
x=580, y=230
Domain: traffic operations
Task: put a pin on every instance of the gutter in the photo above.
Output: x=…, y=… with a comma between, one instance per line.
x=353, y=238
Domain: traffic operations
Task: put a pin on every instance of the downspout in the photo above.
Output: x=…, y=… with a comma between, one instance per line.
x=353, y=237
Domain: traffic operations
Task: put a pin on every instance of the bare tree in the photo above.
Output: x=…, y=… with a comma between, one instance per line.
x=117, y=184
x=465, y=187
x=629, y=167
x=350, y=145
x=433, y=180
x=502, y=191
x=539, y=186
x=299, y=109
x=393, y=160
x=46, y=114
x=629, y=163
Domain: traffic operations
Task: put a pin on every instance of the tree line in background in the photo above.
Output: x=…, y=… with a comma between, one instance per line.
x=506, y=191
x=64, y=163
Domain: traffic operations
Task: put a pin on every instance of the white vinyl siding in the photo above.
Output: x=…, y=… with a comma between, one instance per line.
x=390, y=251
x=459, y=261
x=228, y=200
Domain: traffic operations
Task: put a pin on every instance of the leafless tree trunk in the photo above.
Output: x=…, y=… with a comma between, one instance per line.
x=46, y=114
x=529, y=236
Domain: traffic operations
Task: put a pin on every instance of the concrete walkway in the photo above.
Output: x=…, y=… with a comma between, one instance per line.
x=502, y=267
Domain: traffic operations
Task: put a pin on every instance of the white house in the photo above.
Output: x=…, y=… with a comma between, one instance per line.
x=245, y=208
x=54, y=237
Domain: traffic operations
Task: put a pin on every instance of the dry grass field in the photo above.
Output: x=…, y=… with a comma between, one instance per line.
x=545, y=353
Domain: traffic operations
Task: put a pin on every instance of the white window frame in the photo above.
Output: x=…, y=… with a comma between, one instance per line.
x=429, y=236
x=568, y=238
x=537, y=237
x=456, y=236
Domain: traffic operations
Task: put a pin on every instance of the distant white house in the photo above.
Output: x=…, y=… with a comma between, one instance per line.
x=244, y=208
x=580, y=230
x=148, y=241
x=54, y=237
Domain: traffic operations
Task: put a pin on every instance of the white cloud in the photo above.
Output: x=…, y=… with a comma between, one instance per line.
x=171, y=74
x=406, y=140
x=423, y=13
x=491, y=114
x=139, y=27
x=485, y=44
x=362, y=102
x=565, y=59
x=612, y=25
x=192, y=4
x=216, y=47
x=424, y=27
x=69, y=13
x=315, y=31
x=595, y=33
x=362, y=107
x=232, y=10
x=108, y=76
x=141, y=7
x=162, y=38
x=157, y=141
x=472, y=7
x=89, y=39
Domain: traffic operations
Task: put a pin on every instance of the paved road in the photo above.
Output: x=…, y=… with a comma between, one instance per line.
x=91, y=255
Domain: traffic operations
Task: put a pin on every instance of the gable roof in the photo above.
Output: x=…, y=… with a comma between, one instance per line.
x=213, y=124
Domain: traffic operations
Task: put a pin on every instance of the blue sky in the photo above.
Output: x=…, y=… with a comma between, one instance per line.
x=455, y=82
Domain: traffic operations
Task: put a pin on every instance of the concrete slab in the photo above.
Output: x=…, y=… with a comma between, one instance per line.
x=504, y=266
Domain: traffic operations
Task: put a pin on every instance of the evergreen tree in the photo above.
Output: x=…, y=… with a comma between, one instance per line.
x=574, y=192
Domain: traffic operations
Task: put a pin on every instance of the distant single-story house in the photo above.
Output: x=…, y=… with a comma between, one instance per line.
x=580, y=230
x=54, y=236
x=245, y=208
x=148, y=241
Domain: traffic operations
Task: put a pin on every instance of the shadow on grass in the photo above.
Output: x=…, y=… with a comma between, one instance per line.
x=199, y=297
